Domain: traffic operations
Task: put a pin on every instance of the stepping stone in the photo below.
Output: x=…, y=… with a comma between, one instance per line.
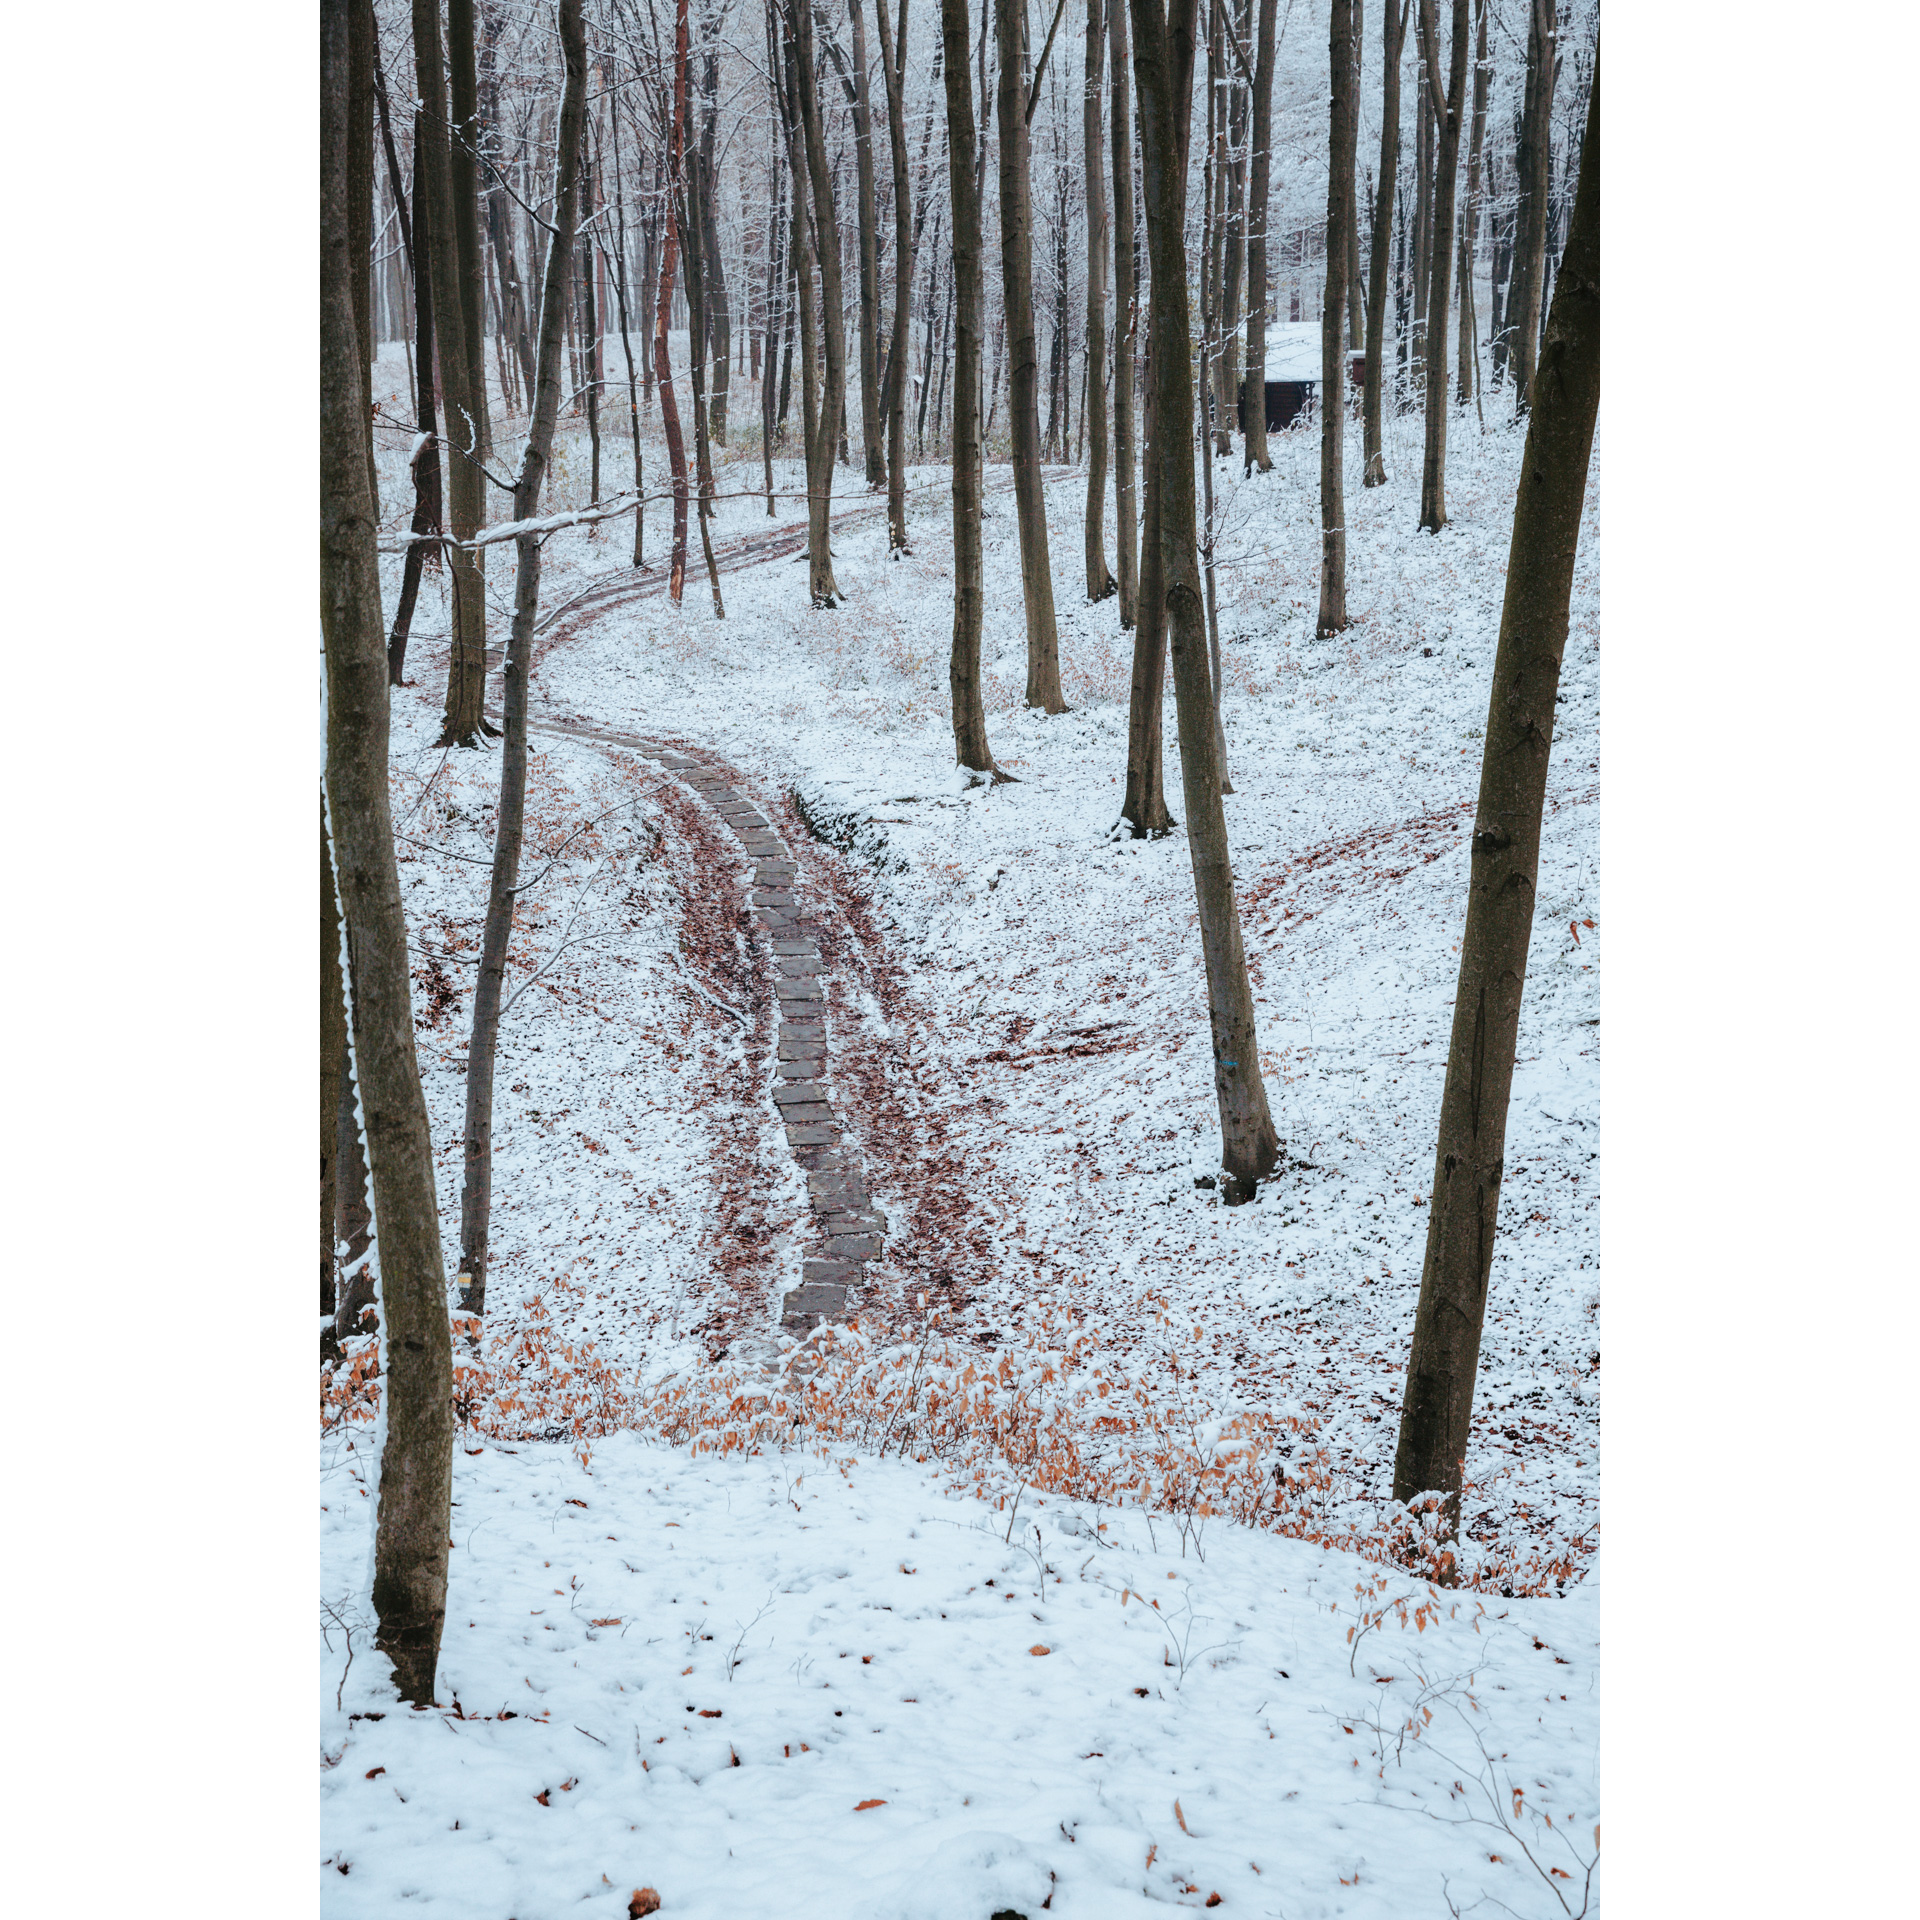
x=802, y=1052
x=804, y=1113
x=801, y=966
x=833, y=1273
x=804, y=1089
x=811, y=1135
x=804, y=1069
x=854, y=1246
x=773, y=897
x=792, y=947
x=781, y=866
x=770, y=917
x=797, y=990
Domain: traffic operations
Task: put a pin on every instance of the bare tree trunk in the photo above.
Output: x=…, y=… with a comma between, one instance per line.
x=416, y=1465
x=963, y=179
x=824, y=590
x=1342, y=121
x=696, y=210
x=1163, y=71
x=868, y=246
x=476, y=1192
x=426, y=447
x=663, y=316
x=893, y=68
x=590, y=326
x=464, y=722
x=1422, y=213
x=1379, y=260
x=1100, y=582
x=1470, y=220
x=626, y=329
x=1253, y=425
x=713, y=282
x=362, y=56
x=333, y=1050
x=1533, y=164
x=1447, y=111
x=1123, y=317
x=1437, y=1412
x=1016, y=272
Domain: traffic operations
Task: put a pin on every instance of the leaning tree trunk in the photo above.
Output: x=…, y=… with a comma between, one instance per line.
x=1163, y=71
x=824, y=590
x=416, y=1463
x=463, y=722
x=1379, y=258
x=1437, y=1413
x=1447, y=111
x=963, y=178
x=893, y=66
x=1100, y=582
x=1253, y=425
x=1023, y=350
x=1121, y=117
x=1332, y=617
x=425, y=463
x=476, y=1192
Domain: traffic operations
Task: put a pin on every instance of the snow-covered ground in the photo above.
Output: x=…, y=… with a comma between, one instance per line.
x=797, y=1686
x=1019, y=1047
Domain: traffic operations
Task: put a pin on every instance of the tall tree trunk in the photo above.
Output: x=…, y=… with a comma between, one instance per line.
x=1100, y=582
x=1447, y=111
x=1016, y=272
x=1253, y=425
x=476, y=1191
x=823, y=588
x=1163, y=71
x=626, y=329
x=714, y=272
x=970, y=746
x=1437, y=1412
x=1342, y=121
x=1121, y=118
x=1379, y=259
x=590, y=326
x=697, y=213
x=425, y=463
x=872, y=444
x=1533, y=164
x=416, y=1465
x=333, y=1049
x=1470, y=219
x=362, y=57
x=463, y=722
x=893, y=69
x=1422, y=210
x=356, y=1290
x=663, y=316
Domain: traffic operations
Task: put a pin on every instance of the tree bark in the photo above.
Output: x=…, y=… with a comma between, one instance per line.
x=362, y=59
x=893, y=67
x=663, y=314
x=696, y=219
x=1100, y=582
x=823, y=588
x=871, y=430
x=970, y=746
x=1163, y=71
x=1121, y=117
x=416, y=1465
x=333, y=1047
x=1470, y=219
x=1447, y=111
x=626, y=330
x=1533, y=166
x=463, y=723
x=1332, y=617
x=1023, y=398
x=476, y=1192
x=1253, y=426
x=1437, y=1413
x=713, y=282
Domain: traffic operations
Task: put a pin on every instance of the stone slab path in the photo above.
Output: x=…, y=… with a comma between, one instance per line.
x=851, y=1229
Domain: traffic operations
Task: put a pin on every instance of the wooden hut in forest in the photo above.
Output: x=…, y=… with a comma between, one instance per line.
x=1292, y=375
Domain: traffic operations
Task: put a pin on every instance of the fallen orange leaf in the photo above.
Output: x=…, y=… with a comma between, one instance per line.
x=1037, y=1650
x=1182, y=1818
x=865, y=1804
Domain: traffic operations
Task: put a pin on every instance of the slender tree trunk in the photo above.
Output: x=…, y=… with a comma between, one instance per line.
x=1163, y=71
x=824, y=590
x=1253, y=425
x=868, y=245
x=416, y=1465
x=663, y=316
x=1016, y=270
x=463, y=722
x=425, y=463
x=626, y=329
x=1379, y=259
x=1121, y=117
x=963, y=178
x=697, y=211
x=362, y=56
x=714, y=296
x=476, y=1192
x=1100, y=582
x=590, y=322
x=893, y=67
x=1436, y=1416
x=1342, y=121
x=1470, y=219
x=1533, y=164
x=356, y=1290
x=1422, y=211
x=1447, y=111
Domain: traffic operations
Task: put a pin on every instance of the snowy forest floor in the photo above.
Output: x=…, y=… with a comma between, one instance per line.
x=1020, y=1048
